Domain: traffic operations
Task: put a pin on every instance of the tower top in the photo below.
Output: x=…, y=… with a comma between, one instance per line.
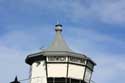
x=58, y=27
x=59, y=43
x=57, y=48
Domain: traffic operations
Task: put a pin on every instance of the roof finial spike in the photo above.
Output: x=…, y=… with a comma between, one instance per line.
x=58, y=26
x=16, y=80
x=59, y=43
x=57, y=21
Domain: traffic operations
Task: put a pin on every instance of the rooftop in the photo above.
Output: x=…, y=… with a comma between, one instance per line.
x=57, y=48
x=59, y=43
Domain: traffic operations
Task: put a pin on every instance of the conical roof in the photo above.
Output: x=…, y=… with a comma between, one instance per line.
x=57, y=48
x=59, y=43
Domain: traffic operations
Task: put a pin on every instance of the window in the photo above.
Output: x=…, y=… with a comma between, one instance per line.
x=64, y=80
x=56, y=58
x=77, y=60
x=90, y=65
x=87, y=75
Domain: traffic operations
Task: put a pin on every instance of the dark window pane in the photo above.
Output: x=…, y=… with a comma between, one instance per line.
x=90, y=65
x=75, y=81
x=60, y=79
x=64, y=80
x=50, y=79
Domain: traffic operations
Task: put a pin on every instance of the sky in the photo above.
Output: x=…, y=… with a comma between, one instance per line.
x=92, y=27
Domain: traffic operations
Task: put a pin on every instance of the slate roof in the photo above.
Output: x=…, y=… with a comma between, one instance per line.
x=57, y=48
x=59, y=43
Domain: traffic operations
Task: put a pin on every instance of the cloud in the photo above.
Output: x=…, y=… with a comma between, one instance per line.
x=105, y=11
x=88, y=39
x=111, y=11
x=110, y=64
x=26, y=37
x=108, y=68
x=12, y=64
x=15, y=45
x=14, y=42
x=25, y=32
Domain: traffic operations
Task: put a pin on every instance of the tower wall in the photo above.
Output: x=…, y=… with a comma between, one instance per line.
x=76, y=71
x=57, y=70
x=38, y=73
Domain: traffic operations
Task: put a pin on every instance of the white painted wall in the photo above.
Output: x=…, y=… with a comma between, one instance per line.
x=76, y=71
x=38, y=73
x=88, y=75
x=57, y=70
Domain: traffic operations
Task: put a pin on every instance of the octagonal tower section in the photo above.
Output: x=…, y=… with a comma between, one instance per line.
x=59, y=64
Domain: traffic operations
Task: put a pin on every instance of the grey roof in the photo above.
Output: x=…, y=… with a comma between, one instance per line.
x=59, y=47
x=59, y=43
x=61, y=53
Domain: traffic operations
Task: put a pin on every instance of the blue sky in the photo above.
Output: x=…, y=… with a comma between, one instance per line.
x=92, y=27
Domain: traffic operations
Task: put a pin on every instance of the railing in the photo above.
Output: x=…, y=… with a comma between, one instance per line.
x=92, y=81
x=39, y=80
x=28, y=80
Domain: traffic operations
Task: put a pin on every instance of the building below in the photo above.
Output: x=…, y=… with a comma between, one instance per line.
x=59, y=64
x=16, y=80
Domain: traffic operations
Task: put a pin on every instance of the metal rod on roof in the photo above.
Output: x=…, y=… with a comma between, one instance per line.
x=93, y=81
x=29, y=78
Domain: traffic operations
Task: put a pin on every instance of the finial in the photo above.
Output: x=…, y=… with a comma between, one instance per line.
x=16, y=80
x=57, y=21
x=58, y=26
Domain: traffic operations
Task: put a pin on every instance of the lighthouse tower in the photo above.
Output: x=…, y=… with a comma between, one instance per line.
x=59, y=64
